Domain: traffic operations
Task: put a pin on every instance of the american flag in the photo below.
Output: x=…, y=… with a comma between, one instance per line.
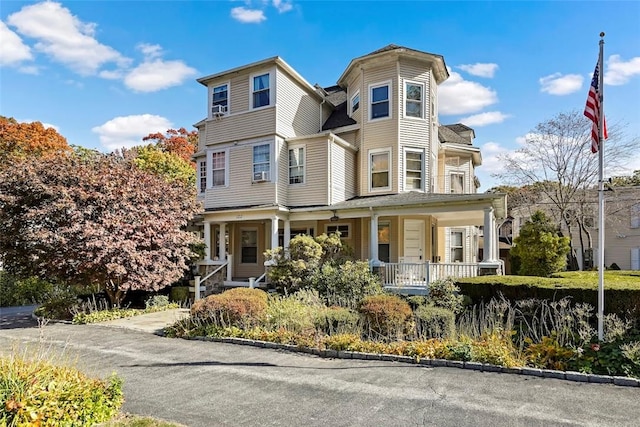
x=592, y=111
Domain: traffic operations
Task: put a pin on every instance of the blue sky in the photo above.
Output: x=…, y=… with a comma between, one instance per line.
x=106, y=73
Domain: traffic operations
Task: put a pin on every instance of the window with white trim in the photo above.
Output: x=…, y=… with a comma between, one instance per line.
x=456, y=182
x=413, y=96
x=218, y=169
x=379, y=163
x=343, y=229
x=413, y=170
x=262, y=159
x=384, y=240
x=260, y=91
x=202, y=176
x=296, y=165
x=249, y=246
x=635, y=216
x=379, y=105
x=457, y=248
x=355, y=103
x=220, y=99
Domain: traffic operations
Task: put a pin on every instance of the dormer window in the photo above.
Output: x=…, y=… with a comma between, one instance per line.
x=220, y=100
x=261, y=91
x=379, y=105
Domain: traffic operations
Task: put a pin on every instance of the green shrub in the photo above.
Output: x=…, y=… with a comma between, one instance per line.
x=235, y=307
x=460, y=350
x=37, y=392
x=548, y=354
x=435, y=322
x=61, y=304
x=179, y=294
x=497, y=349
x=385, y=316
x=337, y=320
x=291, y=273
x=16, y=292
x=157, y=301
x=444, y=293
x=291, y=313
x=346, y=284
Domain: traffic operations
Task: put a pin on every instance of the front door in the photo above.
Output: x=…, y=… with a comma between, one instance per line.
x=413, y=241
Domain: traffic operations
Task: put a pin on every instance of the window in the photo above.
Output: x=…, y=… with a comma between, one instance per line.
x=343, y=229
x=355, y=102
x=379, y=166
x=413, y=170
x=249, y=246
x=457, y=249
x=261, y=159
x=457, y=183
x=220, y=96
x=379, y=99
x=261, y=90
x=635, y=216
x=296, y=165
x=218, y=169
x=413, y=100
x=383, y=241
x=202, y=176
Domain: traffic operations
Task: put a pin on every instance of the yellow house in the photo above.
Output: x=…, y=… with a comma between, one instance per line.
x=367, y=157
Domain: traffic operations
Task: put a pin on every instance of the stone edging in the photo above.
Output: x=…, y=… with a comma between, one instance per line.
x=474, y=366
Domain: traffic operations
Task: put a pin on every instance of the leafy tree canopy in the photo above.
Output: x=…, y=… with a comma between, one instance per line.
x=168, y=165
x=627, y=181
x=94, y=220
x=180, y=142
x=22, y=140
x=541, y=251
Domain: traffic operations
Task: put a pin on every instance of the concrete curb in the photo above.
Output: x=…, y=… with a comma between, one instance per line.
x=475, y=366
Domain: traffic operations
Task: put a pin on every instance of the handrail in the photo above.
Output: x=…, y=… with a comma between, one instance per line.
x=256, y=281
x=202, y=280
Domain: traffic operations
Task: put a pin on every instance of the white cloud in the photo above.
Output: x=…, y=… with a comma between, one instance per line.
x=282, y=6
x=29, y=69
x=111, y=74
x=483, y=119
x=154, y=73
x=557, y=84
x=12, y=50
x=65, y=38
x=248, y=16
x=619, y=72
x=490, y=161
x=459, y=96
x=127, y=131
x=480, y=69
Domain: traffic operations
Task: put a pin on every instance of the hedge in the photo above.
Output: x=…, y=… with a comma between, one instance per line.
x=622, y=289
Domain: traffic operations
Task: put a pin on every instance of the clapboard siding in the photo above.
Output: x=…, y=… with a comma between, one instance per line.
x=314, y=189
x=298, y=108
x=247, y=125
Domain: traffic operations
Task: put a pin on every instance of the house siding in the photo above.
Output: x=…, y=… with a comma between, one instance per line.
x=283, y=172
x=298, y=109
x=247, y=125
x=315, y=187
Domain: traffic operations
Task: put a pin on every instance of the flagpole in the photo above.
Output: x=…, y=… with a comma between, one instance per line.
x=601, y=193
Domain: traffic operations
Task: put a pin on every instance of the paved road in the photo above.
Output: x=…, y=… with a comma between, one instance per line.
x=213, y=384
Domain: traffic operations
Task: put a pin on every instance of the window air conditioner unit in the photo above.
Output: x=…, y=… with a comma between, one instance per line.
x=218, y=110
x=261, y=176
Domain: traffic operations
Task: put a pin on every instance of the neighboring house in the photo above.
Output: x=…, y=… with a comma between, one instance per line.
x=367, y=157
x=622, y=227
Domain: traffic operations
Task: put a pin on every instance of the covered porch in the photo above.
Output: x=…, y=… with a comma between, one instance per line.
x=410, y=239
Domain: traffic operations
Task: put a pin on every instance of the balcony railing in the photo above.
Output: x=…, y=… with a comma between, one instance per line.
x=419, y=275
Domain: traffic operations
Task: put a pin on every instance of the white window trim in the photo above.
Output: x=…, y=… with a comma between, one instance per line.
x=370, y=98
x=271, y=159
x=422, y=101
x=304, y=164
x=462, y=246
x=370, y=170
x=210, y=168
x=228, y=85
x=351, y=110
x=464, y=179
x=272, y=89
x=339, y=224
x=424, y=172
x=202, y=191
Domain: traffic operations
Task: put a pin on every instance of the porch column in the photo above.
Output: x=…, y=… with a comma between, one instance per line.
x=207, y=241
x=488, y=239
x=496, y=240
x=222, y=242
x=287, y=236
x=373, y=241
x=274, y=232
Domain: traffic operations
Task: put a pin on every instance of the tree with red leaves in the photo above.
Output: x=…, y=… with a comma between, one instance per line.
x=95, y=220
x=180, y=142
x=22, y=140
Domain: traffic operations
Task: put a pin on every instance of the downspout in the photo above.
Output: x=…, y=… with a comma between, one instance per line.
x=364, y=158
x=330, y=171
x=320, y=118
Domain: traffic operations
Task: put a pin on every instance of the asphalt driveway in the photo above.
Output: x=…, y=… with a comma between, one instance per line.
x=215, y=384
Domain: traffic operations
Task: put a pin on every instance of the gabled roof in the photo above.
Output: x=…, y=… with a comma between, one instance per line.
x=339, y=116
x=459, y=128
x=446, y=134
x=439, y=67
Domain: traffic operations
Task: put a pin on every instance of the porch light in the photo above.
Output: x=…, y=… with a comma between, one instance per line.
x=334, y=218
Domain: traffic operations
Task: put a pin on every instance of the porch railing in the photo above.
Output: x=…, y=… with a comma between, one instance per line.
x=421, y=274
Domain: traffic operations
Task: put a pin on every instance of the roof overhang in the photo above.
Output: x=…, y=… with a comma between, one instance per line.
x=436, y=62
x=453, y=148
